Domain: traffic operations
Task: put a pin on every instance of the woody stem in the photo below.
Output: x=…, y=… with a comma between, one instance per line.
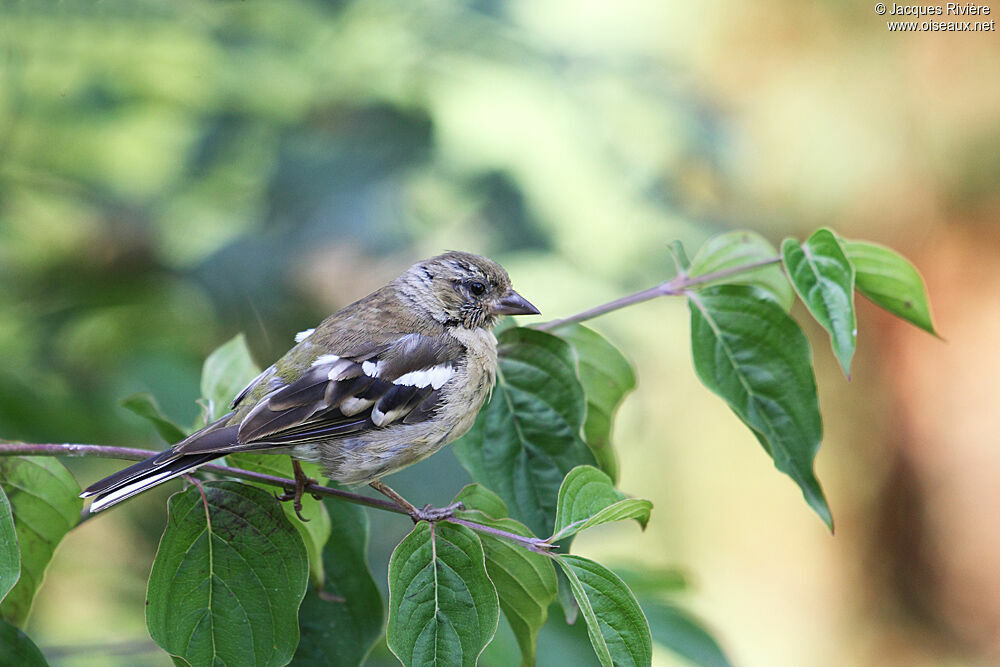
x=132, y=454
x=673, y=287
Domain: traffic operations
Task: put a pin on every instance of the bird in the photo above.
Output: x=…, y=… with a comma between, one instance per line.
x=379, y=385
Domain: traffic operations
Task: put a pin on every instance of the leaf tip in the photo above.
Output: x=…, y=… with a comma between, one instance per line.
x=845, y=367
x=821, y=508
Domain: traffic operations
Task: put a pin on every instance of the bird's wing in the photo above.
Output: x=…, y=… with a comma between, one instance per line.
x=399, y=381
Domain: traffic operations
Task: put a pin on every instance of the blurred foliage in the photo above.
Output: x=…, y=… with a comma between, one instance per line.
x=173, y=174
x=167, y=168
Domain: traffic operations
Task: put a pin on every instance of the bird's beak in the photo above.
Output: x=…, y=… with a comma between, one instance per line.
x=513, y=303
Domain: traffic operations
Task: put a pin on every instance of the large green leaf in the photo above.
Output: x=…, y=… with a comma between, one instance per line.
x=588, y=498
x=683, y=634
x=443, y=608
x=17, y=649
x=315, y=531
x=607, y=377
x=478, y=497
x=10, y=554
x=224, y=374
x=525, y=580
x=228, y=578
x=616, y=625
x=734, y=249
x=146, y=407
x=46, y=505
x=340, y=626
x=890, y=281
x=752, y=354
x=824, y=278
x=529, y=435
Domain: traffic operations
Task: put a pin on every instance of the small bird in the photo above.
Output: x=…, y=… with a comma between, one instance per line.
x=377, y=386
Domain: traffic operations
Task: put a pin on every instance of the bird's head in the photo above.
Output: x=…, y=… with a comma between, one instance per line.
x=462, y=289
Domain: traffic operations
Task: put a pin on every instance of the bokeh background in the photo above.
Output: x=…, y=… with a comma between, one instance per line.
x=172, y=174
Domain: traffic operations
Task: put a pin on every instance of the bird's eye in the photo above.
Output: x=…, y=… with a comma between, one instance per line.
x=477, y=288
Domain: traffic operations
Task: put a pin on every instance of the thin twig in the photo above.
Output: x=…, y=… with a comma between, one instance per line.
x=356, y=498
x=536, y=544
x=631, y=299
x=677, y=285
x=132, y=454
x=8, y=448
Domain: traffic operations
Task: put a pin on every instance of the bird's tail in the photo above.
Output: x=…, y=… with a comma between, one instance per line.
x=212, y=442
x=142, y=476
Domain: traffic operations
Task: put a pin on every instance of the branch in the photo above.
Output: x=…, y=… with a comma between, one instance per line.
x=536, y=544
x=131, y=454
x=676, y=285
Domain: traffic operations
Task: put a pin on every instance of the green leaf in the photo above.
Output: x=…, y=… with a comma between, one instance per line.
x=525, y=580
x=146, y=407
x=607, y=377
x=683, y=634
x=478, y=497
x=890, y=281
x=570, y=608
x=225, y=373
x=528, y=437
x=228, y=578
x=752, y=354
x=443, y=608
x=824, y=278
x=733, y=249
x=589, y=498
x=10, y=554
x=341, y=626
x=46, y=505
x=316, y=531
x=17, y=649
x=616, y=625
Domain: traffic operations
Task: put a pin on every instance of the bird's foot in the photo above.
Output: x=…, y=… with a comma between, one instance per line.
x=301, y=482
x=296, y=499
x=432, y=514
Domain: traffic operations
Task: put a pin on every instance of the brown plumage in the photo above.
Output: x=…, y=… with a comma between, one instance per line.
x=377, y=386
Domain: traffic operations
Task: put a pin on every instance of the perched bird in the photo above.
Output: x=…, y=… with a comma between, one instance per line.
x=377, y=386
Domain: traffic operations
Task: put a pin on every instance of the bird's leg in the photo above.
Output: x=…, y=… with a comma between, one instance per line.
x=301, y=481
x=426, y=513
x=387, y=491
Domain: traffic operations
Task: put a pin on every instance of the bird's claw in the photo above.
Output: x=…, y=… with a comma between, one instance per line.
x=296, y=499
x=301, y=482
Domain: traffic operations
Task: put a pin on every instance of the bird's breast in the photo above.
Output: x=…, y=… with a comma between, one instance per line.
x=473, y=382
